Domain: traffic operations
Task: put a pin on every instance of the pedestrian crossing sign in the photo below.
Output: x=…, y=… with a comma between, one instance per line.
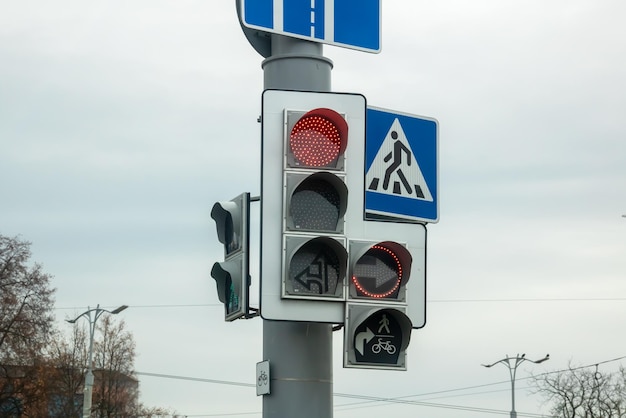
x=401, y=167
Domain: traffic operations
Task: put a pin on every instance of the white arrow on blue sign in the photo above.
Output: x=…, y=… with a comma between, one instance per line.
x=401, y=164
x=351, y=24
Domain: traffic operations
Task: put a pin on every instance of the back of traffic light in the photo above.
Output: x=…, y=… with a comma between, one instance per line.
x=232, y=275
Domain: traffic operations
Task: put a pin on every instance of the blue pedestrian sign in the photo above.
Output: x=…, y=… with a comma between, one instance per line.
x=401, y=179
x=351, y=24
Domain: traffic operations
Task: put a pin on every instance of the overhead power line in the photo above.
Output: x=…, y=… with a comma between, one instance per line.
x=528, y=300
x=343, y=395
x=439, y=405
x=197, y=379
x=495, y=300
x=232, y=383
x=397, y=400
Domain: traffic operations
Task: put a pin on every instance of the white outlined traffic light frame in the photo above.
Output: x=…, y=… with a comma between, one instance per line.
x=273, y=305
x=281, y=176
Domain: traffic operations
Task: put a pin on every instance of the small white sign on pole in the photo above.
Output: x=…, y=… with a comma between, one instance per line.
x=263, y=378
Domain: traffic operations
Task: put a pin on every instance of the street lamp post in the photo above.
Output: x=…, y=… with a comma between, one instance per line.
x=511, y=363
x=92, y=316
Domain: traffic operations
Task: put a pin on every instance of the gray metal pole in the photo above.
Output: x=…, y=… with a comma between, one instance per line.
x=512, y=373
x=88, y=393
x=512, y=366
x=299, y=353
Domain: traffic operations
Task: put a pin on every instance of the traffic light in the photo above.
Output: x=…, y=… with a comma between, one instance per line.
x=232, y=275
x=376, y=337
x=322, y=260
x=315, y=201
x=379, y=271
x=378, y=329
x=306, y=154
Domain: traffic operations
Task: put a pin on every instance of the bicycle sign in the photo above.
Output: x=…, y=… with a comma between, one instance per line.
x=377, y=339
x=263, y=378
x=383, y=345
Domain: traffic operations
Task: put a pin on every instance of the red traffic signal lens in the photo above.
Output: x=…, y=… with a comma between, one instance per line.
x=319, y=137
x=378, y=273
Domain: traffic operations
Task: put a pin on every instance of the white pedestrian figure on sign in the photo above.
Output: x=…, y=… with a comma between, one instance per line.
x=384, y=324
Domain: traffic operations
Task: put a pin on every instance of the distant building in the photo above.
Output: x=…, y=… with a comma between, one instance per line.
x=49, y=392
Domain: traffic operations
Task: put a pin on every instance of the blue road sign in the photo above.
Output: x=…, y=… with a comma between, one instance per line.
x=401, y=180
x=351, y=24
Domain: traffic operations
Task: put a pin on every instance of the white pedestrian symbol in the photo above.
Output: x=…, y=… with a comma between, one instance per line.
x=384, y=324
x=396, y=167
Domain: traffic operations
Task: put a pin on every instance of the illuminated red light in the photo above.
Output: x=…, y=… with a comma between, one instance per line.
x=319, y=137
x=397, y=283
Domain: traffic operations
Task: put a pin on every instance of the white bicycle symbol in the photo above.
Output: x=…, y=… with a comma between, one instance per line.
x=383, y=345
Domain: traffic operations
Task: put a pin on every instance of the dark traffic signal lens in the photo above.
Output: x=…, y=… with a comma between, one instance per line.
x=315, y=206
x=315, y=269
x=316, y=202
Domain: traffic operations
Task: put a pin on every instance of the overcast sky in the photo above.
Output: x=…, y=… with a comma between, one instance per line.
x=122, y=122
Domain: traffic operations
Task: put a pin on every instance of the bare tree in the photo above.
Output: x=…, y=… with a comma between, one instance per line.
x=26, y=302
x=146, y=412
x=67, y=361
x=42, y=372
x=583, y=392
x=117, y=390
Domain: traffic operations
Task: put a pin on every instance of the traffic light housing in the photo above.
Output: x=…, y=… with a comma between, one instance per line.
x=306, y=145
x=319, y=254
x=232, y=275
x=315, y=201
x=378, y=328
x=376, y=337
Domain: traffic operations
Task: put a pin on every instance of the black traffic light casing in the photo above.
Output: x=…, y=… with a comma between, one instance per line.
x=232, y=275
x=376, y=337
x=377, y=330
